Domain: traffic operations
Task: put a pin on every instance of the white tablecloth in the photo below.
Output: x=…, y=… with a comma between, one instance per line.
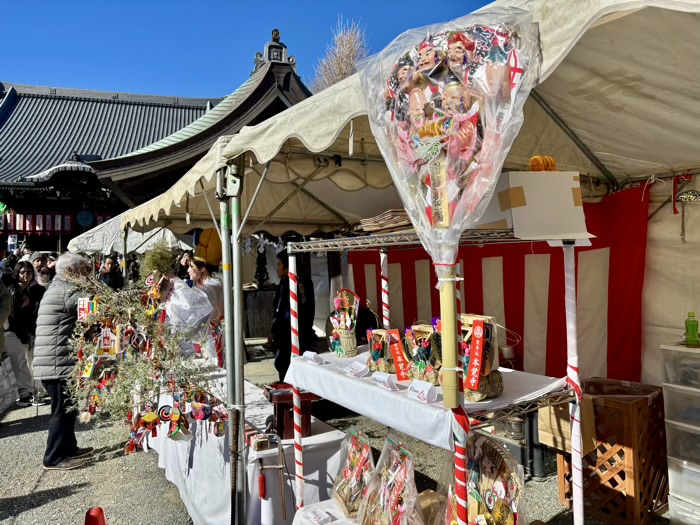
x=330, y=507
x=432, y=422
x=200, y=468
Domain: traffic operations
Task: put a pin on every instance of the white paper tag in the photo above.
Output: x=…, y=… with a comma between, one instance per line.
x=313, y=357
x=385, y=380
x=356, y=369
x=318, y=517
x=422, y=391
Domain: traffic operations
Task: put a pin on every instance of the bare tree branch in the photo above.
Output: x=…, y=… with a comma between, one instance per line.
x=348, y=47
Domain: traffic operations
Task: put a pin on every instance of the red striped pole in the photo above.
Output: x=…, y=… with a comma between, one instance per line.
x=386, y=317
x=460, y=423
x=296, y=397
x=460, y=429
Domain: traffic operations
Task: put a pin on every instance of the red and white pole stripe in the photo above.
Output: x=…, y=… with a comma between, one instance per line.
x=573, y=381
x=386, y=317
x=296, y=396
x=460, y=430
x=460, y=424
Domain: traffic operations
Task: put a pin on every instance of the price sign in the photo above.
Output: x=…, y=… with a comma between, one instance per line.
x=385, y=380
x=422, y=391
x=357, y=369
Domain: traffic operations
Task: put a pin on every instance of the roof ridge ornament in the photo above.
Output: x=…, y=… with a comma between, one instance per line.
x=275, y=52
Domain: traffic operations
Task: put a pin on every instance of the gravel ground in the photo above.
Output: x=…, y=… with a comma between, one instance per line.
x=541, y=496
x=129, y=486
x=126, y=487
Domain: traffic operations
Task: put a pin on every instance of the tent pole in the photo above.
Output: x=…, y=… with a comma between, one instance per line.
x=238, y=232
x=226, y=186
x=296, y=394
x=124, y=268
x=211, y=211
x=575, y=139
x=239, y=345
x=448, y=317
x=573, y=380
x=238, y=327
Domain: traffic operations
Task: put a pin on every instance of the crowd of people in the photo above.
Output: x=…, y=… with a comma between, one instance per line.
x=38, y=306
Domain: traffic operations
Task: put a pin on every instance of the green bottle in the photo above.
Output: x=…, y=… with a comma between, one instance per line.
x=691, y=331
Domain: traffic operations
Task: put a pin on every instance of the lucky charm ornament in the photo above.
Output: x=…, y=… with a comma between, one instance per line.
x=445, y=104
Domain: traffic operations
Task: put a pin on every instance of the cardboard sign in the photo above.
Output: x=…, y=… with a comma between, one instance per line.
x=400, y=361
x=356, y=369
x=313, y=357
x=422, y=391
x=385, y=380
x=475, y=356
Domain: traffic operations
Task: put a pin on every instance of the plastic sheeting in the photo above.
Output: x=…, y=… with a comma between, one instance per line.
x=107, y=238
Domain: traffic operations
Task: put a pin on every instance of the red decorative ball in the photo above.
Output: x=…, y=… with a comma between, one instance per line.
x=336, y=336
x=377, y=346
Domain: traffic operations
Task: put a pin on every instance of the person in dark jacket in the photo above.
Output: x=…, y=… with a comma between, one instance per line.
x=281, y=332
x=26, y=295
x=54, y=361
x=110, y=274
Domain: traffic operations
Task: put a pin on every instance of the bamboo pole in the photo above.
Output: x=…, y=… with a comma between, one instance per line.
x=448, y=318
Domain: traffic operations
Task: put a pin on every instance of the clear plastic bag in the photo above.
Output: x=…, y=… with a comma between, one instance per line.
x=445, y=104
x=391, y=496
x=187, y=307
x=355, y=473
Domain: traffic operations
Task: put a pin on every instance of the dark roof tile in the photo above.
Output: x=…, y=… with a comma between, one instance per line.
x=40, y=127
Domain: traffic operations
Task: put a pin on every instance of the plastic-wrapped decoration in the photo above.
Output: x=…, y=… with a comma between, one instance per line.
x=445, y=104
x=355, y=473
x=391, y=496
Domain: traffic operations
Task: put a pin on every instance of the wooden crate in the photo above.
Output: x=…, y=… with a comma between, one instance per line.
x=625, y=479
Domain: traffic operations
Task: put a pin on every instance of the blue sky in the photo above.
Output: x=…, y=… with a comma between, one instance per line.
x=195, y=48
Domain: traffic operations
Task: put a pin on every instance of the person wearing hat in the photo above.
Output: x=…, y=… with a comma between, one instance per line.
x=38, y=260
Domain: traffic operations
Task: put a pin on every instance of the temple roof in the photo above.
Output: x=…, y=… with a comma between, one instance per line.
x=145, y=172
x=40, y=127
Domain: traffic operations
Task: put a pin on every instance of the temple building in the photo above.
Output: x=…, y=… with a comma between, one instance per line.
x=72, y=158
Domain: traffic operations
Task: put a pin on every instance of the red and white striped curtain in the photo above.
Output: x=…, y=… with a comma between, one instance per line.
x=522, y=286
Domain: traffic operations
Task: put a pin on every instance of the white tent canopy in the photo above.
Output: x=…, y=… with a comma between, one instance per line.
x=106, y=238
x=330, y=185
x=612, y=71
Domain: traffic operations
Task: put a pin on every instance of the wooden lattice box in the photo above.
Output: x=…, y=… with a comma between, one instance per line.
x=625, y=478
